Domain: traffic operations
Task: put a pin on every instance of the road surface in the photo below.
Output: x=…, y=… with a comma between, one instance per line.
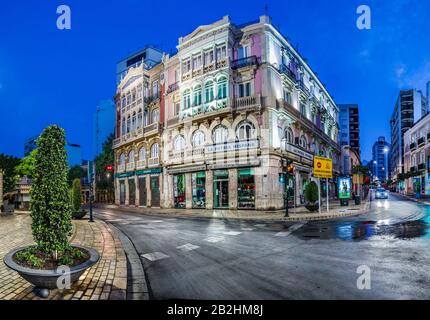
x=193, y=258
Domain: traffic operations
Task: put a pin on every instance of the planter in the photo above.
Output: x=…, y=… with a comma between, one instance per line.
x=312, y=207
x=79, y=214
x=43, y=280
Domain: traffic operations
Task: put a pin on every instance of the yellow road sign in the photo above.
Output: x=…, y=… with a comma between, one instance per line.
x=323, y=167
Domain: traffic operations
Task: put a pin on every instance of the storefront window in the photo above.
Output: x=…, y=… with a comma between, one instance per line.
x=198, y=182
x=246, y=189
x=179, y=190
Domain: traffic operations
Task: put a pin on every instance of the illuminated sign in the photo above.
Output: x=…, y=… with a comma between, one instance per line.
x=323, y=167
x=344, y=187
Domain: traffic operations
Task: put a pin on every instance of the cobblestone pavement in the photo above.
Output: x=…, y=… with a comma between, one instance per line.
x=107, y=280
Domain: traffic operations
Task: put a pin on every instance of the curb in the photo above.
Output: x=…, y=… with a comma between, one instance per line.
x=137, y=287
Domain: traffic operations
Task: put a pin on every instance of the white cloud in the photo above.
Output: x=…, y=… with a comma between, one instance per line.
x=416, y=78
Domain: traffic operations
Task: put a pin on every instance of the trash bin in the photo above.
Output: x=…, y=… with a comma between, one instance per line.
x=357, y=200
x=344, y=202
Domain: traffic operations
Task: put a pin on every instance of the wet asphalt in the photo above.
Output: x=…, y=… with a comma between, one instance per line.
x=193, y=258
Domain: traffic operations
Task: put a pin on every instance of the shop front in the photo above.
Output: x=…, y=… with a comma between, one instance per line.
x=179, y=191
x=246, y=188
x=198, y=185
x=220, y=189
x=122, y=192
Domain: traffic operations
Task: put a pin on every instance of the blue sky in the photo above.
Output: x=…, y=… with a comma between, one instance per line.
x=55, y=76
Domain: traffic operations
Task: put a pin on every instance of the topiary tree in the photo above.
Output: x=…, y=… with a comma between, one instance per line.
x=76, y=195
x=311, y=196
x=50, y=198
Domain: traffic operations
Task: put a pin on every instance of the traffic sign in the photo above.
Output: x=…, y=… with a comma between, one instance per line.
x=323, y=167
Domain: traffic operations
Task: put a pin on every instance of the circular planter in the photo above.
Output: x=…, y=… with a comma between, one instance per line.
x=78, y=214
x=43, y=280
x=312, y=207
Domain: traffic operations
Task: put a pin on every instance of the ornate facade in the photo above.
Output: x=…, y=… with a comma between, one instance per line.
x=241, y=106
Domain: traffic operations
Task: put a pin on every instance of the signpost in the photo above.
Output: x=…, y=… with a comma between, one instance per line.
x=323, y=168
x=90, y=181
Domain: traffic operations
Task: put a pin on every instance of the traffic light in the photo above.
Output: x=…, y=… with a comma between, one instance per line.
x=109, y=167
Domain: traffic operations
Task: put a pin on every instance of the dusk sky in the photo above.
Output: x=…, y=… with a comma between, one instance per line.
x=59, y=76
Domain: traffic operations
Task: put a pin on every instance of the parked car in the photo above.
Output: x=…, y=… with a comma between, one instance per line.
x=381, y=193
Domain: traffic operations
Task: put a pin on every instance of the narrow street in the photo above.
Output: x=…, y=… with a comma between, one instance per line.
x=196, y=258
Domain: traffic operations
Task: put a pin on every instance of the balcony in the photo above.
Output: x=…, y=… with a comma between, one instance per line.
x=421, y=141
x=428, y=136
x=421, y=166
x=244, y=62
x=121, y=168
x=152, y=129
x=173, y=121
x=141, y=164
x=413, y=169
x=173, y=87
x=153, y=162
x=284, y=69
x=250, y=103
x=203, y=110
x=131, y=166
x=176, y=156
x=412, y=146
x=303, y=88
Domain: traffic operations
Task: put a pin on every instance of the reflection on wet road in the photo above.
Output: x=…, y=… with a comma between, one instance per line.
x=388, y=219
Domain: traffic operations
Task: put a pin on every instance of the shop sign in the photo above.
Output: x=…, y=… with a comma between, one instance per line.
x=344, y=187
x=148, y=171
x=124, y=175
x=323, y=167
x=230, y=165
x=299, y=152
x=233, y=146
x=186, y=169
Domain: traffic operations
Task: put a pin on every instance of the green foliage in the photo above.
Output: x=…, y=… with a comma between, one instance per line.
x=8, y=165
x=106, y=157
x=360, y=169
x=76, y=195
x=50, y=198
x=75, y=172
x=29, y=256
x=26, y=167
x=311, y=192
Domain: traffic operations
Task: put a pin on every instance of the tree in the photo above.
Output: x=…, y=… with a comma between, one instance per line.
x=8, y=165
x=50, y=199
x=76, y=195
x=311, y=192
x=75, y=172
x=27, y=164
x=104, y=182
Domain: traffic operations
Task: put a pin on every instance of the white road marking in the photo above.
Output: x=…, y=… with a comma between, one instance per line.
x=290, y=230
x=187, y=247
x=232, y=233
x=214, y=239
x=155, y=221
x=154, y=256
x=259, y=225
x=247, y=229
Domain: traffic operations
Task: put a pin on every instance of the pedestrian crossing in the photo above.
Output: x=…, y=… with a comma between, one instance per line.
x=217, y=238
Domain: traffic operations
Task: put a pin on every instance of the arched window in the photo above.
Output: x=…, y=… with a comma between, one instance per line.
x=179, y=143
x=123, y=127
x=187, y=99
x=220, y=134
x=142, y=154
x=198, y=95
x=303, y=142
x=131, y=157
x=133, y=121
x=122, y=159
x=198, y=138
x=222, y=88
x=209, y=91
x=139, y=119
x=245, y=130
x=154, y=150
x=155, y=115
x=289, y=135
x=128, y=123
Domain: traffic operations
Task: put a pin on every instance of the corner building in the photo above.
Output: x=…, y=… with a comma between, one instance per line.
x=240, y=105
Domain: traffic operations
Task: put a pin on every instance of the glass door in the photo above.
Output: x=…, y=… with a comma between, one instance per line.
x=131, y=192
x=122, y=192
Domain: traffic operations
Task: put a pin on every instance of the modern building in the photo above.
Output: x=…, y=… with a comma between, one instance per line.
x=428, y=95
x=349, y=126
x=104, y=124
x=417, y=157
x=149, y=56
x=241, y=106
x=381, y=166
x=410, y=106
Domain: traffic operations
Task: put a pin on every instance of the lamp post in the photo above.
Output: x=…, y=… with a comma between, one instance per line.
x=284, y=140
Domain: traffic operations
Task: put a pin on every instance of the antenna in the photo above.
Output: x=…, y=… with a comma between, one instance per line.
x=266, y=9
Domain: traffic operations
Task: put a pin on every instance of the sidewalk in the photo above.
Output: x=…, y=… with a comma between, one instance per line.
x=424, y=199
x=295, y=214
x=107, y=280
